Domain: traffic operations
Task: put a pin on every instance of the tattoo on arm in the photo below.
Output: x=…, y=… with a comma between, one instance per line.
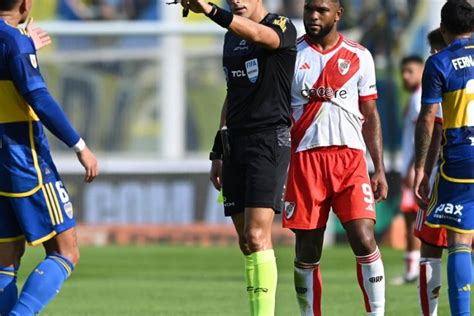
x=423, y=132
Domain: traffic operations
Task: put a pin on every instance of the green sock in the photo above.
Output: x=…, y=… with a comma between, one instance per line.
x=265, y=278
x=249, y=278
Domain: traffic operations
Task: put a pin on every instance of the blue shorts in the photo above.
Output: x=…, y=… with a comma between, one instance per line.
x=38, y=217
x=452, y=206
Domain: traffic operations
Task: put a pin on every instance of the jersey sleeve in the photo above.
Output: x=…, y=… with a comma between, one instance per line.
x=367, y=83
x=432, y=83
x=24, y=67
x=286, y=31
x=26, y=76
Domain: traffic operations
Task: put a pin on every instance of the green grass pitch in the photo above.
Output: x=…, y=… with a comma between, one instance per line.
x=168, y=280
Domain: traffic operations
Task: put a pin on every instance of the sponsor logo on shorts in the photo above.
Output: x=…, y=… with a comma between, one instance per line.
x=69, y=210
x=449, y=211
x=289, y=209
x=376, y=279
x=228, y=204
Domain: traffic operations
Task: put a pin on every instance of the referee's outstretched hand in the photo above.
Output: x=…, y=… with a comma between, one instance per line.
x=89, y=162
x=216, y=174
x=197, y=6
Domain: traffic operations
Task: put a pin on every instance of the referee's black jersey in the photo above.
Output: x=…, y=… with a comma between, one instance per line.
x=258, y=79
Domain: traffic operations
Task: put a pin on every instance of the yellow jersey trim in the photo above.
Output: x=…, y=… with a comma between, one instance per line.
x=43, y=239
x=36, y=166
x=50, y=211
x=443, y=162
x=448, y=227
x=56, y=202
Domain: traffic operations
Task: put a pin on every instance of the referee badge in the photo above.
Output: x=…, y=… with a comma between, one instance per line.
x=289, y=209
x=252, y=69
x=34, y=61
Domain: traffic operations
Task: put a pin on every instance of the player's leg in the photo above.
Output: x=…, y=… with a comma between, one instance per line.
x=354, y=204
x=307, y=275
x=10, y=256
x=47, y=218
x=430, y=279
x=239, y=224
x=370, y=270
x=433, y=240
x=306, y=213
x=12, y=247
x=451, y=206
x=258, y=227
x=459, y=272
x=412, y=252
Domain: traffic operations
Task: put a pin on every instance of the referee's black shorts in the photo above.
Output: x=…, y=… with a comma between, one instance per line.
x=254, y=175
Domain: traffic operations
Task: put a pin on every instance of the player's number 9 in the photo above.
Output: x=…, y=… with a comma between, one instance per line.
x=62, y=192
x=367, y=190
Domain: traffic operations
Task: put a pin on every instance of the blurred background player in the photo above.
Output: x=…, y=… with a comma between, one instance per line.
x=335, y=118
x=449, y=79
x=34, y=204
x=433, y=240
x=411, y=71
x=259, y=58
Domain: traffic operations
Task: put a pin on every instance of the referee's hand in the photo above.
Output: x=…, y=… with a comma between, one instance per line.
x=216, y=174
x=89, y=162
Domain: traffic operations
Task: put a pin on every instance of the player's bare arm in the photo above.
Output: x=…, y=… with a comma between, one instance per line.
x=215, y=174
x=423, y=133
x=90, y=164
x=245, y=28
x=372, y=133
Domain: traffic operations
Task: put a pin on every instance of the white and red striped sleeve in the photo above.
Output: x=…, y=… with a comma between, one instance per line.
x=367, y=84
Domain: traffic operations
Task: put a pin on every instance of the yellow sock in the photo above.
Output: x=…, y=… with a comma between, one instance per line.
x=249, y=278
x=265, y=282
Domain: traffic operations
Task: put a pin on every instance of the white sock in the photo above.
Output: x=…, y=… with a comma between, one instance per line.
x=429, y=285
x=412, y=264
x=308, y=286
x=371, y=277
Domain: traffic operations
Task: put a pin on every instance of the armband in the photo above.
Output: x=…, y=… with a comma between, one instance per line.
x=220, y=16
x=79, y=146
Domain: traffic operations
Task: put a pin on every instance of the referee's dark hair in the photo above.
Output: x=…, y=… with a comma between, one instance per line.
x=457, y=17
x=412, y=59
x=7, y=5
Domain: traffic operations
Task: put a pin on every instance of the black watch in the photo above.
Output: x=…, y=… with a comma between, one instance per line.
x=215, y=156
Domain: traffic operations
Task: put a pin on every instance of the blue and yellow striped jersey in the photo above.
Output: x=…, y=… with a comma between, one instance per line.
x=449, y=79
x=24, y=150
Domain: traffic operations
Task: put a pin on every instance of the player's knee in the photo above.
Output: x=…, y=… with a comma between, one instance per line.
x=244, y=247
x=72, y=255
x=256, y=239
x=11, y=255
x=306, y=252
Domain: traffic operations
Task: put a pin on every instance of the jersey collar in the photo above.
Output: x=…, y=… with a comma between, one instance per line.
x=338, y=44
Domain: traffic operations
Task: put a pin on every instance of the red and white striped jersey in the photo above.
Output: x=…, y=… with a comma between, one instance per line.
x=327, y=89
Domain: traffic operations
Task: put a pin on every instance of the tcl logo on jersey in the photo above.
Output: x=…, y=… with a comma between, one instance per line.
x=238, y=73
x=324, y=93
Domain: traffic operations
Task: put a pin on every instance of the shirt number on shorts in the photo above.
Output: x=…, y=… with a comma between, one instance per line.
x=62, y=192
x=368, y=195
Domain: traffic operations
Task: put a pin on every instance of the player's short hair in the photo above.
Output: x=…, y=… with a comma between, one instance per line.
x=7, y=5
x=457, y=16
x=412, y=59
x=435, y=38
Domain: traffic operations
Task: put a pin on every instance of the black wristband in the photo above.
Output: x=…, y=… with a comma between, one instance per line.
x=220, y=16
x=217, y=146
x=215, y=156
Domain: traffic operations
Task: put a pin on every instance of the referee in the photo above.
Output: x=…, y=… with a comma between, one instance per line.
x=250, y=163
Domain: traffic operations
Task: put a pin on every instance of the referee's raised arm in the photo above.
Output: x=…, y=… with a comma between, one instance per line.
x=245, y=27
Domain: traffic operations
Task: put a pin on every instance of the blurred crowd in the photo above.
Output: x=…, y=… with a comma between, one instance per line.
x=78, y=10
